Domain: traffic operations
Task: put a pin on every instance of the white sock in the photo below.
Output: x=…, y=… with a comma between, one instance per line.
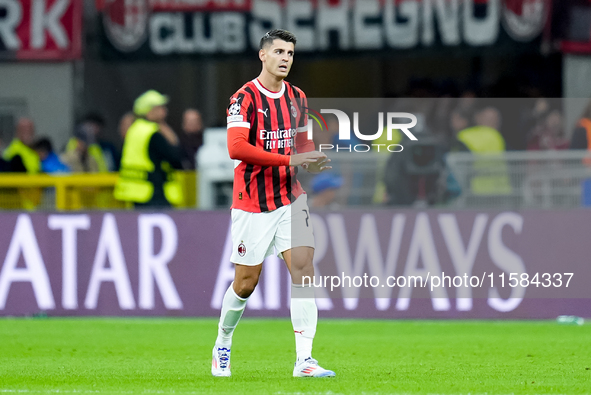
x=232, y=309
x=304, y=318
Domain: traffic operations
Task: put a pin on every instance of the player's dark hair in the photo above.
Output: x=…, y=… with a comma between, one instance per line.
x=277, y=33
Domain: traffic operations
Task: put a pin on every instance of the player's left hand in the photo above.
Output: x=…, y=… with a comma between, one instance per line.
x=317, y=167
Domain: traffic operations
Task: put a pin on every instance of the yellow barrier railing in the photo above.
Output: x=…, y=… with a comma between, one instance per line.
x=75, y=191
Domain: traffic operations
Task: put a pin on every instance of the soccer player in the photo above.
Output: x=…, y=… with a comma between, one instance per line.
x=267, y=125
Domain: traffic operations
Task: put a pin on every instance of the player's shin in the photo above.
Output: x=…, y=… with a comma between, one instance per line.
x=304, y=318
x=232, y=309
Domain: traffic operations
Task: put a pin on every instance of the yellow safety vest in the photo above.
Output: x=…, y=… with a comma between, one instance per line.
x=133, y=184
x=494, y=177
x=28, y=155
x=94, y=150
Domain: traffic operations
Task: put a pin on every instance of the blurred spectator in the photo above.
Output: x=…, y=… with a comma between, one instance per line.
x=191, y=136
x=150, y=153
x=125, y=123
x=581, y=138
x=459, y=120
x=83, y=154
x=324, y=188
x=548, y=133
x=467, y=100
x=110, y=153
x=50, y=162
x=19, y=154
x=489, y=117
x=84, y=145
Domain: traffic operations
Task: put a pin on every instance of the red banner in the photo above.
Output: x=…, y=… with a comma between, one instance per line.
x=176, y=5
x=41, y=29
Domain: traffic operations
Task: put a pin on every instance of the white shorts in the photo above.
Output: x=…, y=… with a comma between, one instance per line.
x=256, y=235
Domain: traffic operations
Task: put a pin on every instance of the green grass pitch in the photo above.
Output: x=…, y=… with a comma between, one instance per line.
x=370, y=357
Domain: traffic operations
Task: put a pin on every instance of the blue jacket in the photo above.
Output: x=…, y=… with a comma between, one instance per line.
x=52, y=164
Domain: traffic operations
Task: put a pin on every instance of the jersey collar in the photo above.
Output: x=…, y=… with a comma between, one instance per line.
x=268, y=93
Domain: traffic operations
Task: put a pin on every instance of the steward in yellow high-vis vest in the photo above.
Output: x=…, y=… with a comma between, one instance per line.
x=146, y=176
x=94, y=150
x=492, y=177
x=82, y=154
x=28, y=156
x=19, y=155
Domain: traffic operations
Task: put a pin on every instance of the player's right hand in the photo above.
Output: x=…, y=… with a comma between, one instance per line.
x=305, y=158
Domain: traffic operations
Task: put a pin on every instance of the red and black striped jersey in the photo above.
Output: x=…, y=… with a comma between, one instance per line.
x=270, y=122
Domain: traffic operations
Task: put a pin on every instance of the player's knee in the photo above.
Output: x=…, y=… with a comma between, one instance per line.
x=307, y=269
x=303, y=261
x=304, y=270
x=245, y=287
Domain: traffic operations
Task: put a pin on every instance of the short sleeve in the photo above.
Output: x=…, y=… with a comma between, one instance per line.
x=240, y=110
x=302, y=121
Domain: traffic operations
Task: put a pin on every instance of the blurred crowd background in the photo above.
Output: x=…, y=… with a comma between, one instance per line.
x=482, y=76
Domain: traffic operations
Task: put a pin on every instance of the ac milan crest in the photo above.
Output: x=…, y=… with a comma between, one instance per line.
x=524, y=20
x=241, y=249
x=294, y=111
x=126, y=23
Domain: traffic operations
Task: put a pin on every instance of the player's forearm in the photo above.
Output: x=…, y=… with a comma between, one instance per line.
x=242, y=150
